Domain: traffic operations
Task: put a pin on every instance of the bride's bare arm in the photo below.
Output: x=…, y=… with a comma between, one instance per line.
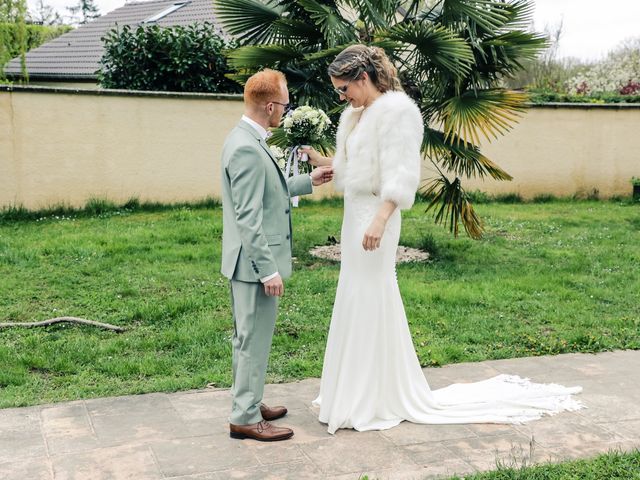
x=373, y=235
x=315, y=158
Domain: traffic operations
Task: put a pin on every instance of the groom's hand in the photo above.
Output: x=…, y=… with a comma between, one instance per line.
x=321, y=175
x=274, y=287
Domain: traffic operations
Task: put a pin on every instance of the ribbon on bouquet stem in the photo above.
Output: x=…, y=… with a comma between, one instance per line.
x=293, y=163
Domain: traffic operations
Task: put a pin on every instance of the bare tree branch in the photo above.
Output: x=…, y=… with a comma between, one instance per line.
x=52, y=321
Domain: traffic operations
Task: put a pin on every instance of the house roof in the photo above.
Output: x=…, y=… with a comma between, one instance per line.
x=75, y=55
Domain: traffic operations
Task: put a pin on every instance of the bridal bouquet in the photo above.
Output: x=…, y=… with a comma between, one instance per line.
x=305, y=126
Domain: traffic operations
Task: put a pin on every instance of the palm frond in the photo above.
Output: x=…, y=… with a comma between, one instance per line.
x=478, y=15
x=335, y=29
x=252, y=57
x=375, y=13
x=249, y=20
x=507, y=51
x=520, y=13
x=291, y=30
x=325, y=54
x=488, y=113
x=462, y=159
x=452, y=206
x=430, y=45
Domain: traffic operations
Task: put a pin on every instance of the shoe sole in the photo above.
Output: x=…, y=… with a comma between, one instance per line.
x=242, y=436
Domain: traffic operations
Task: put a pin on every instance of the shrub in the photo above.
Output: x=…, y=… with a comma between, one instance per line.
x=14, y=38
x=538, y=96
x=177, y=59
x=544, y=198
x=428, y=244
x=509, y=198
x=619, y=73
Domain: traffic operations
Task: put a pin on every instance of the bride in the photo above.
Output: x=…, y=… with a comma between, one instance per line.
x=371, y=378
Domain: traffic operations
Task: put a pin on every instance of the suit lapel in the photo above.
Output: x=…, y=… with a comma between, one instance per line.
x=248, y=128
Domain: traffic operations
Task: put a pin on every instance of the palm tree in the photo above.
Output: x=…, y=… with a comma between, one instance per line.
x=451, y=55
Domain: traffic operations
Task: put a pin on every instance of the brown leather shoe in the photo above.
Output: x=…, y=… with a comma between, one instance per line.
x=262, y=431
x=272, y=413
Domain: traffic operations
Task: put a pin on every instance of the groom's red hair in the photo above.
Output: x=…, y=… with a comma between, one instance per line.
x=264, y=87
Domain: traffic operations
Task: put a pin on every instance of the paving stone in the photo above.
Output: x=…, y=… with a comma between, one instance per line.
x=568, y=430
x=307, y=389
x=136, y=420
x=563, y=453
x=113, y=463
x=200, y=455
x=492, y=429
x=305, y=425
x=411, y=433
x=438, y=461
x=269, y=453
x=355, y=452
x=184, y=436
x=32, y=469
x=17, y=418
x=21, y=434
x=63, y=410
x=291, y=402
x=283, y=471
x=129, y=405
x=202, y=405
x=65, y=435
x=404, y=473
x=628, y=429
x=206, y=426
x=609, y=407
x=485, y=453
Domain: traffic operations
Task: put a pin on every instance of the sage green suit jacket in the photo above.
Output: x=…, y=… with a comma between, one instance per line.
x=256, y=235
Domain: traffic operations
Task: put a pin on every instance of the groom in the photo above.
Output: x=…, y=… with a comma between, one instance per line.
x=256, y=248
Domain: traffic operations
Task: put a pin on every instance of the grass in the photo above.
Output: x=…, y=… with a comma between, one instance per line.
x=548, y=278
x=609, y=466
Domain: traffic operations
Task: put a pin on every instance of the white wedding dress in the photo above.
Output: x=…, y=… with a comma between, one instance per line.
x=371, y=378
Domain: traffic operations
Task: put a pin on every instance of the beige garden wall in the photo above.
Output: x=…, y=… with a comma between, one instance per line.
x=66, y=146
x=568, y=149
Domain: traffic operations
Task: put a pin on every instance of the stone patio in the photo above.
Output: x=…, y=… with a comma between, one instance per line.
x=185, y=435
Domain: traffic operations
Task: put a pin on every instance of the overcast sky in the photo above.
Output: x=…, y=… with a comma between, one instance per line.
x=590, y=28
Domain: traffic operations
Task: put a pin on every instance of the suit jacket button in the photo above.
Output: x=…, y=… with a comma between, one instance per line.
x=288, y=237
x=286, y=211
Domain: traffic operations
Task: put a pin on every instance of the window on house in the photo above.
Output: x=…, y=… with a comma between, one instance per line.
x=165, y=12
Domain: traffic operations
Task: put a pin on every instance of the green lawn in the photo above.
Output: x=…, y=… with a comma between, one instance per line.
x=610, y=466
x=547, y=278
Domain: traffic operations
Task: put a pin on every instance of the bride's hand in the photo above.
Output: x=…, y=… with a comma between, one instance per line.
x=315, y=158
x=373, y=235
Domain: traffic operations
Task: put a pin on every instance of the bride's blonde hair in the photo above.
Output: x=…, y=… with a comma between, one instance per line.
x=353, y=61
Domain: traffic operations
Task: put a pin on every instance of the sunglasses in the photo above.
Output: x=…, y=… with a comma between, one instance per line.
x=287, y=106
x=342, y=90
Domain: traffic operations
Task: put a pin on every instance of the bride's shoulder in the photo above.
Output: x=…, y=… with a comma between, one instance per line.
x=395, y=102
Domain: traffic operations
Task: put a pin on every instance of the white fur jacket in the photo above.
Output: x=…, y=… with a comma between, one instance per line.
x=378, y=149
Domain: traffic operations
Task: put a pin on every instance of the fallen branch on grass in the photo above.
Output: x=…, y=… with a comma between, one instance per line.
x=51, y=321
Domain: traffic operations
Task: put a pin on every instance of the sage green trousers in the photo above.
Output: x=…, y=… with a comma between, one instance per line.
x=254, y=319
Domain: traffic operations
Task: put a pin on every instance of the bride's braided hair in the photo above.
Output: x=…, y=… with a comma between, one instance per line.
x=353, y=61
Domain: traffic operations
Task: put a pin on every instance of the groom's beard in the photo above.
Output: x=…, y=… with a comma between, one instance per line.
x=274, y=121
